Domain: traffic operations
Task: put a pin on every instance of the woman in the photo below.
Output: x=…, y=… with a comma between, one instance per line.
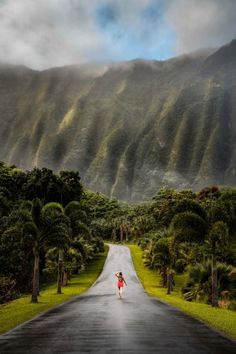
x=120, y=283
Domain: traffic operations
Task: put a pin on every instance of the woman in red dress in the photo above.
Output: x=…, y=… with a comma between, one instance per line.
x=120, y=283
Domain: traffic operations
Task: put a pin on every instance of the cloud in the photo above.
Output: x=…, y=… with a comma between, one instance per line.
x=46, y=33
x=201, y=23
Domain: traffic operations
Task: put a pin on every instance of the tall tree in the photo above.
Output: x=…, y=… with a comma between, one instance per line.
x=194, y=229
x=48, y=227
x=218, y=237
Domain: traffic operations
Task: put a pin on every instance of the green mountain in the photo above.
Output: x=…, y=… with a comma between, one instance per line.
x=129, y=127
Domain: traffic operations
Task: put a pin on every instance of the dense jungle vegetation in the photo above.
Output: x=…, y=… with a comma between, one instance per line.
x=46, y=230
x=51, y=227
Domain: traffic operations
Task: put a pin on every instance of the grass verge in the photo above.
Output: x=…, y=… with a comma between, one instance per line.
x=21, y=310
x=218, y=318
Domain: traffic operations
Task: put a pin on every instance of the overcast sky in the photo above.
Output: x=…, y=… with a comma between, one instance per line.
x=47, y=33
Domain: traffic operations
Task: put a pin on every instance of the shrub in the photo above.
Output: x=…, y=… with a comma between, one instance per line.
x=180, y=265
x=198, y=286
x=7, y=289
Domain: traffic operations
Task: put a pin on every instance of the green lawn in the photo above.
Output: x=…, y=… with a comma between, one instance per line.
x=221, y=319
x=21, y=310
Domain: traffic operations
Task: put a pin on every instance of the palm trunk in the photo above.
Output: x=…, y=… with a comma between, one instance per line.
x=214, y=282
x=126, y=235
x=37, y=278
x=169, y=282
x=164, y=277
x=121, y=234
x=113, y=234
x=35, y=289
x=59, y=277
x=172, y=282
x=65, y=278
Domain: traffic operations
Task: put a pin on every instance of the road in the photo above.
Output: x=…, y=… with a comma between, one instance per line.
x=99, y=322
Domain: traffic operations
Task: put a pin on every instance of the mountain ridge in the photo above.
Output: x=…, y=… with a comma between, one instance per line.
x=129, y=127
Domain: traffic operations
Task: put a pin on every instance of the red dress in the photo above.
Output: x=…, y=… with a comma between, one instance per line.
x=120, y=282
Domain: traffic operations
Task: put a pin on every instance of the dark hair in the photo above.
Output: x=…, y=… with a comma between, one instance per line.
x=120, y=273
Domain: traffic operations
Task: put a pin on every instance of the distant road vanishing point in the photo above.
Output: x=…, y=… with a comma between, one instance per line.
x=99, y=322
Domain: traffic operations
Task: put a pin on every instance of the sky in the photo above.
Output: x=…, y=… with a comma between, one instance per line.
x=47, y=33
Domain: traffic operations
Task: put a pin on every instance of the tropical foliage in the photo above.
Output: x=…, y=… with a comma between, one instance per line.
x=50, y=227
x=45, y=230
x=191, y=231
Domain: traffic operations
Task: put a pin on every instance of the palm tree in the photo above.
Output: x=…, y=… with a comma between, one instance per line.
x=217, y=237
x=198, y=286
x=194, y=229
x=78, y=218
x=158, y=256
x=59, y=235
x=48, y=227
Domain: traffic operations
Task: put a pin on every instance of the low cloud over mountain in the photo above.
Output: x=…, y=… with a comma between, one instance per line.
x=130, y=127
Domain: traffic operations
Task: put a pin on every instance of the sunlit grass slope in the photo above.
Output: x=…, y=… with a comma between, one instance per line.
x=220, y=319
x=21, y=310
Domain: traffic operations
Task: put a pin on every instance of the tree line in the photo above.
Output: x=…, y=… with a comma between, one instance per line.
x=46, y=230
x=51, y=227
x=185, y=232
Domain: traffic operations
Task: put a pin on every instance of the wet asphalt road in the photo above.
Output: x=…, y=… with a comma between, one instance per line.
x=99, y=322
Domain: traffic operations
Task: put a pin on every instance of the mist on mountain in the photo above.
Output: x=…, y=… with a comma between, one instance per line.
x=128, y=127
